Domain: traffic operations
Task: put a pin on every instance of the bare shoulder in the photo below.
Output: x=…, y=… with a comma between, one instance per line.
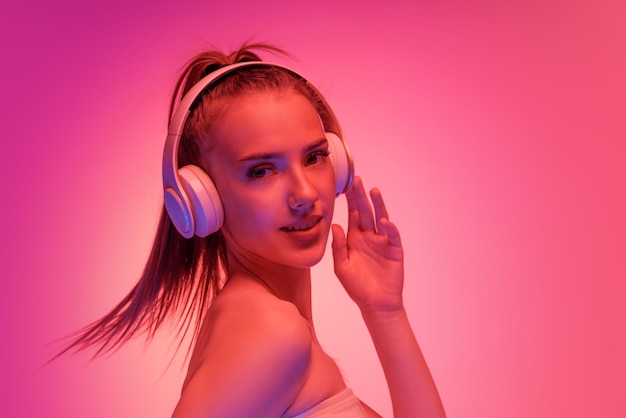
x=252, y=314
x=251, y=356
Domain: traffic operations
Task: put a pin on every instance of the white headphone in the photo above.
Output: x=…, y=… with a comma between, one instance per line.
x=190, y=197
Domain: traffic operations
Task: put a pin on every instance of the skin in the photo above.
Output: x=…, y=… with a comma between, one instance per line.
x=257, y=353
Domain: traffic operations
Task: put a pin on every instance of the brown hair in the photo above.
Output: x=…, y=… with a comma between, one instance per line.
x=182, y=276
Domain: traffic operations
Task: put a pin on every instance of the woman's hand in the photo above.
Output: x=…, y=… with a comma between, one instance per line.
x=369, y=261
x=369, y=264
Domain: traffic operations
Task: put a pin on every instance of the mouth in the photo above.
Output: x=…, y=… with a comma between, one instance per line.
x=302, y=226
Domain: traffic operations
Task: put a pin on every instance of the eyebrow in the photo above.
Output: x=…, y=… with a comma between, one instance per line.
x=276, y=155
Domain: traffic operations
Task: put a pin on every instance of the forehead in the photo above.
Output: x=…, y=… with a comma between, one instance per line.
x=266, y=122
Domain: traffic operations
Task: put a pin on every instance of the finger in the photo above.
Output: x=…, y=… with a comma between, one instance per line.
x=362, y=206
x=390, y=231
x=339, y=245
x=353, y=211
x=379, y=206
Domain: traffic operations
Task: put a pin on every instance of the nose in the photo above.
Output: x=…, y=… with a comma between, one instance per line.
x=302, y=192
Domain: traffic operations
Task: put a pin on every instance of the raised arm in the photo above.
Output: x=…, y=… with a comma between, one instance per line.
x=369, y=264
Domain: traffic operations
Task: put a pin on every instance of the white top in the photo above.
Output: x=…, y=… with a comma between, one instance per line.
x=344, y=405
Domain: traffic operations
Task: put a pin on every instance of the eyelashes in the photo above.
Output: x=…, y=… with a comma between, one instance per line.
x=316, y=156
x=263, y=171
x=258, y=172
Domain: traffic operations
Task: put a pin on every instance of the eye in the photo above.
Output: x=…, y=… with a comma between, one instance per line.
x=316, y=157
x=258, y=172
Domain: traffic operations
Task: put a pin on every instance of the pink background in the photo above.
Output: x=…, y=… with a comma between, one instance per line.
x=496, y=132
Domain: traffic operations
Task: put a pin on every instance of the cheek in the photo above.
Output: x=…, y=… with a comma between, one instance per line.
x=327, y=188
x=246, y=216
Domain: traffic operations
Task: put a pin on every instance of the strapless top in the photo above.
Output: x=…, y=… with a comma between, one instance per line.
x=344, y=405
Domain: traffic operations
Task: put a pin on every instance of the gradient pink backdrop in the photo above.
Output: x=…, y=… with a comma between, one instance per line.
x=496, y=132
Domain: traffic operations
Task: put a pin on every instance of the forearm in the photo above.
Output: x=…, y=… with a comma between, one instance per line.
x=413, y=391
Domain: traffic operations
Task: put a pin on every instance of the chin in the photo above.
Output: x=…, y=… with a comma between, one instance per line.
x=307, y=258
x=314, y=261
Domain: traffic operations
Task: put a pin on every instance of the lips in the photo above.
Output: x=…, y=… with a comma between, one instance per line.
x=303, y=224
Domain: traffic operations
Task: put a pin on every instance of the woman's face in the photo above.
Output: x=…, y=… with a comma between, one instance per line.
x=271, y=168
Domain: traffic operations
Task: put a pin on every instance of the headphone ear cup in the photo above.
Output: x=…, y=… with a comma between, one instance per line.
x=206, y=207
x=341, y=159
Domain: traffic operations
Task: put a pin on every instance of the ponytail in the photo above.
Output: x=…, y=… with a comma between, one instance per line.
x=181, y=276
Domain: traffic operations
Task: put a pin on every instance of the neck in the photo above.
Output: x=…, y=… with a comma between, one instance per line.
x=287, y=283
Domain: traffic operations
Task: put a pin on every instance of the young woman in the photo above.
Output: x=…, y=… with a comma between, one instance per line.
x=252, y=165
